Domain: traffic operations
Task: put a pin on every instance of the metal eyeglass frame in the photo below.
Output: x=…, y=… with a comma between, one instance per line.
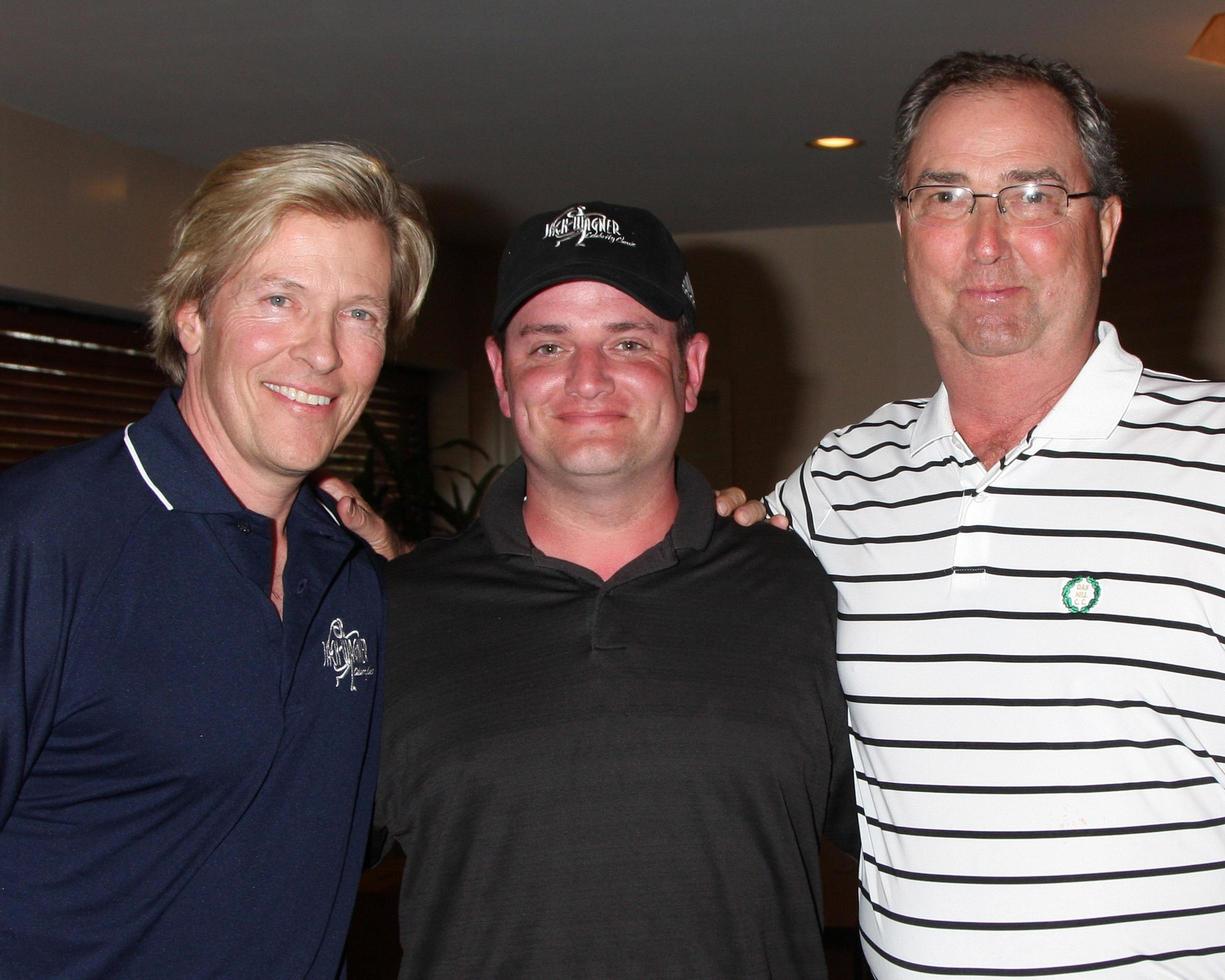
x=999, y=204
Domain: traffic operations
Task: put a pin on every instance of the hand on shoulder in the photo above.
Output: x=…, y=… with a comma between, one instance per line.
x=359, y=517
x=733, y=502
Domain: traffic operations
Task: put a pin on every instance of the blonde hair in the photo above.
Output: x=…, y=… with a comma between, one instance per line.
x=235, y=211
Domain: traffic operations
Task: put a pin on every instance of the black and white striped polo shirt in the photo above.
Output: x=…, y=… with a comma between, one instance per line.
x=1034, y=662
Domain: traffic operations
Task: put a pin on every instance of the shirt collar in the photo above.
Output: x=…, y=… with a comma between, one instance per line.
x=502, y=511
x=180, y=475
x=1097, y=399
x=935, y=422
x=1090, y=408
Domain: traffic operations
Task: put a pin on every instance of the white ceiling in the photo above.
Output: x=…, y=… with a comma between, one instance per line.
x=698, y=110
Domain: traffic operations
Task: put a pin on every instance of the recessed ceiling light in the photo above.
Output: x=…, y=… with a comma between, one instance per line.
x=834, y=142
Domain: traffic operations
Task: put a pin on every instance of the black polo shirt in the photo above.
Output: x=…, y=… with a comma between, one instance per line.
x=624, y=778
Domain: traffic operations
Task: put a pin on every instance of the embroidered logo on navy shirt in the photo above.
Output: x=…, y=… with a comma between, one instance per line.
x=345, y=653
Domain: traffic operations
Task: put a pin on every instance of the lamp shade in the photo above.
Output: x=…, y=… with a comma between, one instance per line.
x=1210, y=45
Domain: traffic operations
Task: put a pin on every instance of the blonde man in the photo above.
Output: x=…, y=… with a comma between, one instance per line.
x=191, y=642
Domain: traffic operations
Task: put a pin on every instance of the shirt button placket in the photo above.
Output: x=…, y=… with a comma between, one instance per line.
x=970, y=548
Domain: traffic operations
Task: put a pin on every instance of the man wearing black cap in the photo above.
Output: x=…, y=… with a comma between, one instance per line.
x=613, y=733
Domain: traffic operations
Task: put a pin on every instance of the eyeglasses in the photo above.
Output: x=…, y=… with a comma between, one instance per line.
x=1032, y=205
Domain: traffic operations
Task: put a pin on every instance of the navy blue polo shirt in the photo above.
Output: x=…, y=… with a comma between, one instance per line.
x=186, y=779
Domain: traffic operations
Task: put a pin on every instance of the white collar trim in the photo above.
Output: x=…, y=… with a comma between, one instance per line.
x=140, y=468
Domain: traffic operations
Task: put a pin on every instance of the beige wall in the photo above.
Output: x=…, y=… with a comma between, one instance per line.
x=810, y=328
x=83, y=218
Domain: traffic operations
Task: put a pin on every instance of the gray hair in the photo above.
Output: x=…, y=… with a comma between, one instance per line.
x=968, y=70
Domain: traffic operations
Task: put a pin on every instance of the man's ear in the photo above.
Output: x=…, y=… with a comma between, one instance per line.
x=1108, y=221
x=695, y=368
x=899, y=216
x=493, y=353
x=189, y=327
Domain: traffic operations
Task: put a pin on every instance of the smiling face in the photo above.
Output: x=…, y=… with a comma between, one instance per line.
x=595, y=385
x=986, y=289
x=281, y=363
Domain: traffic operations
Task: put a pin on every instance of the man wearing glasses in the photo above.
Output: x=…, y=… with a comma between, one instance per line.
x=1031, y=605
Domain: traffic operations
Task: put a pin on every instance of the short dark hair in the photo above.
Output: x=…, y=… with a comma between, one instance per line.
x=685, y=329
x=968, y=70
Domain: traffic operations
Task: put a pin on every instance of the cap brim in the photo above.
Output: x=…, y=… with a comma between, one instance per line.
x=639, y=289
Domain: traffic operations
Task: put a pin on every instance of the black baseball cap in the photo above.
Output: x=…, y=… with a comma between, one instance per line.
x=628, y=248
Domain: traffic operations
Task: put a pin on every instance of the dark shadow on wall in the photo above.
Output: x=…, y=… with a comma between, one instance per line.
x=742, y=424
x=1158, y=284
x=1166, y=251
x=461, y=216
x=454, y=319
